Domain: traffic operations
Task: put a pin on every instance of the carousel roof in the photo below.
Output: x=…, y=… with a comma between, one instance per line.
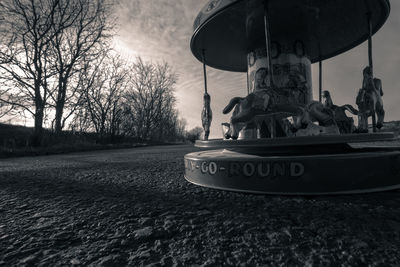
x=325, y=27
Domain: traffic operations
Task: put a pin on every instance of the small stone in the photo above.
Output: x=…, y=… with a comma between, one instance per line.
x=167, y=261
x=47, y=252
x=361, y=244
x=145, y=221
x=112, y=260
x=64, y=235
x=144, y=232
x=29, y=259
x=204, y=212
x=157, y=244
x=75, y=262
x=37, y=215
x=4, y=237
x=196, y=203
x=168, y=224
x=144, y=254
x=114, y=243
x=170, y=217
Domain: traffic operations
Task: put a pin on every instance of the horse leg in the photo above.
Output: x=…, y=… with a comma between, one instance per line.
x=235, y=132
x=380, y=113
x=232, y=133
x=362, y=123
x=228, y=134
x=373, y=121
x=206, y=133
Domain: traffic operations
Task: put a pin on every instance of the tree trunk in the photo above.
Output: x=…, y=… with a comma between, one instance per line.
x=37, y=134
x=59, y=115
x=62, y=88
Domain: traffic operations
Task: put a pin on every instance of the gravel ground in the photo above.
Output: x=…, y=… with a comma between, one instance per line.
x=133, y=207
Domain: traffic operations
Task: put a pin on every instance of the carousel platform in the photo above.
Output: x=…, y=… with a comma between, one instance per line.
x=323, y=165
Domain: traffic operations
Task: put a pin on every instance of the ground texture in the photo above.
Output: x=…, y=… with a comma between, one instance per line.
x=133, y=207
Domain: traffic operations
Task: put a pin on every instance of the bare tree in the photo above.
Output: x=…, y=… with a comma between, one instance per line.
x=181, y=128
x=42, y=46
x=150, y=99
x=75, y=46
x=27, y=33
x=194, y=134
x=81, y=120
x=106, y=80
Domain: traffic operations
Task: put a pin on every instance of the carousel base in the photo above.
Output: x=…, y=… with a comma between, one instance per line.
x=321, y=169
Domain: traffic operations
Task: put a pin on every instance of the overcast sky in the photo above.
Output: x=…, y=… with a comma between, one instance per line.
x=160, y=30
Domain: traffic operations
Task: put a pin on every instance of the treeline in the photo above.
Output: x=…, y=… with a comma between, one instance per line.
x=57, y=67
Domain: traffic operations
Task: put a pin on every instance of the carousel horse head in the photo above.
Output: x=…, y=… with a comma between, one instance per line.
x=326, y=94
x=313, y=112
x=367, y=71
x=327, y=99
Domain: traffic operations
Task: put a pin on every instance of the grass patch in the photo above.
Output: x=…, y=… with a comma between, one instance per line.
x=15, y=141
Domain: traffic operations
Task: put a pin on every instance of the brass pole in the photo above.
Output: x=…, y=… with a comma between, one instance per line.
x=319, y=54
x=320, y=80
x=206, y=114
x=370, y=61
x=268, y=41
x=248, y=86
x=204, y=70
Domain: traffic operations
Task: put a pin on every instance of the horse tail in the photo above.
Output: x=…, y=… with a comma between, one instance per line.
x=378, y=85
x=350, y=109
x=232, y=104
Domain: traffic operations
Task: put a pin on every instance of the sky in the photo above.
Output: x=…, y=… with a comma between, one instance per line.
x=160, y=30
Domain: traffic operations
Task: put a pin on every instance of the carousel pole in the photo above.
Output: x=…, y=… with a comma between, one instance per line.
x=320, y=70
x=270, y=74
x=268, y=43
x=319, y=55
x=370, y=61
x=247, y=57
x=206, y=114
x=320, y=80
x=204, y=71
x=248, y=85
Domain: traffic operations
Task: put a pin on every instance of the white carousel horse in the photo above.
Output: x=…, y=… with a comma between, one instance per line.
x=206, y=116
x=245, y=109
x=369, y=102
x=313, y=112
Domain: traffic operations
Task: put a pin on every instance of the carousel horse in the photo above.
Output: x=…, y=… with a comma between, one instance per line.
x=369, y=102
x=245, y=109
x=206, y=115
x=313, y=112
x=345, y=124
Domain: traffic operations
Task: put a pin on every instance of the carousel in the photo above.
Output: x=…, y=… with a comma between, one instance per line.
x=279, y=140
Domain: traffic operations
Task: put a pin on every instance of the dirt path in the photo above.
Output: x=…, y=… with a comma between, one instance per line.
x=111, y=208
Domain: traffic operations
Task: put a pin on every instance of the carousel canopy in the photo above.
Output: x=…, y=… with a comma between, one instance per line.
x=325, y=28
